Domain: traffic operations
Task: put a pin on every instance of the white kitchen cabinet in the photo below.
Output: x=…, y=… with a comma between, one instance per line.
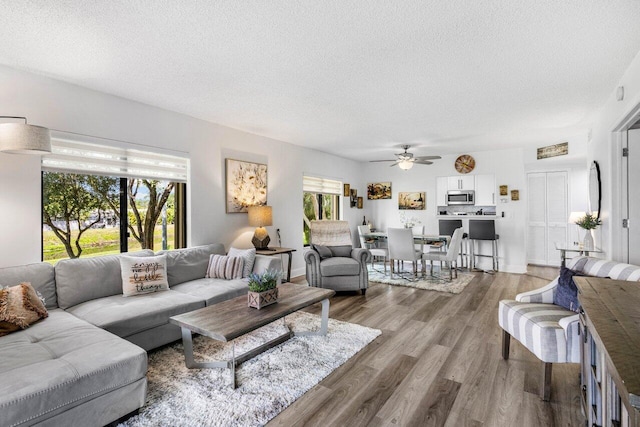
x=461, y=182
x=485, y=190
x=442, y=186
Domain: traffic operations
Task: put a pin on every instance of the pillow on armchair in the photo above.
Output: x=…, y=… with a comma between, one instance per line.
x=341, y=251
x=567, y=292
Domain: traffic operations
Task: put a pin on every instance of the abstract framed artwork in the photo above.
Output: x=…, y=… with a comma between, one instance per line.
x=246, y=185
x=515, y=195
x=412, y=201
x=359, y=202
x=345, y=190
x=379, y=190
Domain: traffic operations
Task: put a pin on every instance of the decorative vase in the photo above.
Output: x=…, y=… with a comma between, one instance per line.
x=587, y=243
x=262, y=299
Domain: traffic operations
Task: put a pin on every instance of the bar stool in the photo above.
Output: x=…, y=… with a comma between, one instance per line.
x=483, y=229
x=446, y=227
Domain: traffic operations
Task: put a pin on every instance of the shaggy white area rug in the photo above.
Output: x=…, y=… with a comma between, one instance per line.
x=267, y=384
x=428, y=282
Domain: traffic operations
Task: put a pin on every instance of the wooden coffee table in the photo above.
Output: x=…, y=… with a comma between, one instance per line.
x=231, y=319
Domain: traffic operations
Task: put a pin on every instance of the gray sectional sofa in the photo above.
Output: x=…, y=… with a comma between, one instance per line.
x=85, y=365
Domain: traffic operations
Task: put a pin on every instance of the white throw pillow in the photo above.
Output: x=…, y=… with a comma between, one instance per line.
x=249, y=256
x=143, y=275
x=225, y=267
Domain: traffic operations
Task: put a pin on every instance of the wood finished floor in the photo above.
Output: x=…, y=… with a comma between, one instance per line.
x=438, y=363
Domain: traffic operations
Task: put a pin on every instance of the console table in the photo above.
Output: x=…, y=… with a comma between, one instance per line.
x=279, y=251
x=610, y=366
x=564, y=248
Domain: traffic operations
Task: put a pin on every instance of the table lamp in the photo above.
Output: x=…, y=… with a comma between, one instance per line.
x=260, y=216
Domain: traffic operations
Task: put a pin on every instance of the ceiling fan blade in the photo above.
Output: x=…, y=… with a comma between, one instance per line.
x=394, y=164
x=423, y=162
x=374, y=161
x=428, y=157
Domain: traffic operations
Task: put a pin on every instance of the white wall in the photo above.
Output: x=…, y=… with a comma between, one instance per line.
x=61, y=106
x=605, y=149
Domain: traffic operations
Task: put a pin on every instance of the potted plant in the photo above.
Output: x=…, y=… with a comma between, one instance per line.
x=589, y=222
x=263, y=289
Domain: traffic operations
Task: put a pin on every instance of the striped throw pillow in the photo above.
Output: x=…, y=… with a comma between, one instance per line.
x=225, y=267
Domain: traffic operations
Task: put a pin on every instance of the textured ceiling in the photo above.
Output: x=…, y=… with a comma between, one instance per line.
x=354, y=78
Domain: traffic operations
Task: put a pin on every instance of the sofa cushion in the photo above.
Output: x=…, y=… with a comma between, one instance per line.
x=20, y=307
x=339, y=266
x=143, y=275
x=214, y=290
x=60, y=363
x=40, y=275
x=190, y=263
x=537, y=327
x=127, y=316
x=83, y=279
x=249, y=256
x=225, y=267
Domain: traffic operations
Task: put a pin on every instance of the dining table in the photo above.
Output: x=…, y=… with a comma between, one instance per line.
x=425, y=239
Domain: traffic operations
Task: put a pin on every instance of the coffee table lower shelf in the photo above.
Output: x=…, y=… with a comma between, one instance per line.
x=188, y=328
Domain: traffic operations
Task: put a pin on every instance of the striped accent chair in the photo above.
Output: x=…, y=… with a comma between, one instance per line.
x=547, y=330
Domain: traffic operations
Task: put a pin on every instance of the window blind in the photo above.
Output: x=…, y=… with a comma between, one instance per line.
x=311, y=184
x=92, y=159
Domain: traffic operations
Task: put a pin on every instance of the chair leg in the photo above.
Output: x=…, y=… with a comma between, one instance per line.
x=364, y=291
x=432, y=267
x=546, y=381
x=450, y=271
x=506, y=341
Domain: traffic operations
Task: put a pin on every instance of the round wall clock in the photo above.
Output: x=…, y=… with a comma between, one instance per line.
x=465, y=163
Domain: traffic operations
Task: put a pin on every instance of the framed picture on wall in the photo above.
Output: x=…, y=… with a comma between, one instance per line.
x=346, y=190
x=412, y=201
x=246, y=185
x=359, y=202
x=379, y=190
x=354, y=198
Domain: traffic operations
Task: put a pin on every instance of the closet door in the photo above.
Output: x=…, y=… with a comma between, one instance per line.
x=557, y=214
x=537, y=225
x=548, y=215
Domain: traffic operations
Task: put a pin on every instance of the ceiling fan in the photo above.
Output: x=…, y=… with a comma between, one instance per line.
x=406, y=160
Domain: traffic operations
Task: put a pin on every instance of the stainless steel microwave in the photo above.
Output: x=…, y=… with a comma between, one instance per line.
x=461, y=197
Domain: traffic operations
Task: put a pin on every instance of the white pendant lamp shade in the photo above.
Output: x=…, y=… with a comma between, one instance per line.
x=22, y=138
x=405, y=165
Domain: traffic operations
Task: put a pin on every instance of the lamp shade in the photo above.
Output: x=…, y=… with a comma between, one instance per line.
x=575, y=216
x=22, y=138
x=405, y=164
x=260, y=216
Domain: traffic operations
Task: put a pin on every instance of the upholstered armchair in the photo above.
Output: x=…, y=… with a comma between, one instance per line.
x=549, y=331
x=332, y=261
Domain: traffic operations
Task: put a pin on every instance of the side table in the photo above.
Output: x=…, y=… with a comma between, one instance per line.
x=279, y=251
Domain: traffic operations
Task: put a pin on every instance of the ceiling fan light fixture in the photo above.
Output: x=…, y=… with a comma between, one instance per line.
x=405, y=165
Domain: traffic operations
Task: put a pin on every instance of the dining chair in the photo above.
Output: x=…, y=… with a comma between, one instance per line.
x=450, y=257
x=402, y=248
x=376, y=252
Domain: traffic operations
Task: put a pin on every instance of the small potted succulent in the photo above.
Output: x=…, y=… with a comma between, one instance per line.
x=589, y=222
x=263, y=289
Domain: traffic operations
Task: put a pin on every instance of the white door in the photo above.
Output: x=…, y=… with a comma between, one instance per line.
x=537, y=223
x=633, y=186
x=547, y=196
x=485, y=190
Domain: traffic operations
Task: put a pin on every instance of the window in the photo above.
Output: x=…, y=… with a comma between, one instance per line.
x=99, y=200
x=320, y=200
